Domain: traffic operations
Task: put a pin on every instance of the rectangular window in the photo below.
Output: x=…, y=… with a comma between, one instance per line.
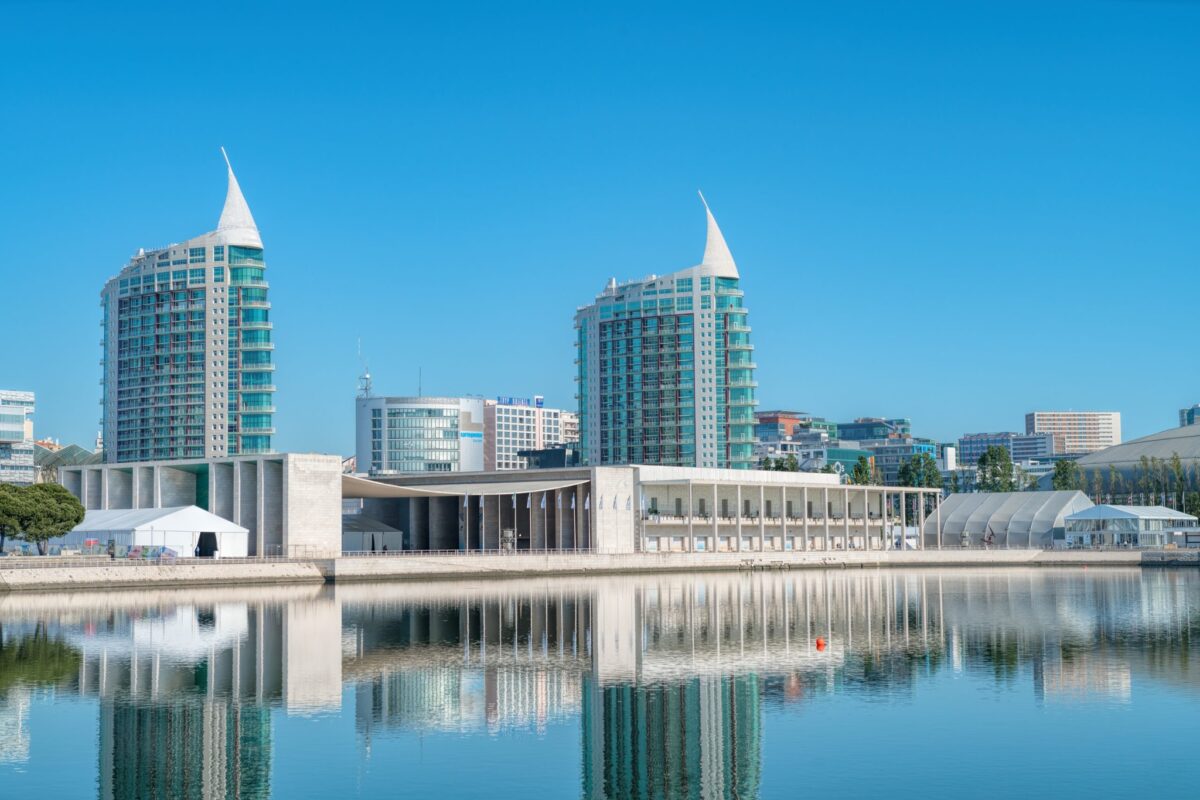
x=218, y=274
x=219, y=252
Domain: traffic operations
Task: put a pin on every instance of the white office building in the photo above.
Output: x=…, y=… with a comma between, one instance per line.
x=1081, y=431
x=404, y=435
x=16, y=437
x=513, y=424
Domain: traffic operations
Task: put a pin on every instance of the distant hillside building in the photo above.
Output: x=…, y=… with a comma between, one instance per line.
x=1189, y=416
x=1020, y=447
x=866, y=428
x=1081, y=431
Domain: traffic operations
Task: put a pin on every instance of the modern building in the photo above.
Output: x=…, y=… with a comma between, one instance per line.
x=1130, y=462
x=1020, y=447
x=1081, y=431
x=1131, y=526
x=513, y=424
x=16, y=437
x=1189, y=416
x=868, y=428
x=891, y=454
x=570, y=427
x=814, y=457
x=47, y=462
x=665, y=368
x=631, y=509
x=398, y=435
x=187, y=362
x=290, y=503
x=557, y=457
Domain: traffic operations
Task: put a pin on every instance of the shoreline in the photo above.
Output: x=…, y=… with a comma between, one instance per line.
x=491, y=566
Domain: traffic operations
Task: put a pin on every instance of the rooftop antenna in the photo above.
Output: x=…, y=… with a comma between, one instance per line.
x=364, y=380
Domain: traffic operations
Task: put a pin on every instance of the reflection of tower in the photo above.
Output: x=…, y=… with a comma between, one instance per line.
x=191, y=748
x=14, y=725
x=697, y=739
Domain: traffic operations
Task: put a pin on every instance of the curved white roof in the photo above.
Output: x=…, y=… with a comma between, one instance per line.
x=1025, y=519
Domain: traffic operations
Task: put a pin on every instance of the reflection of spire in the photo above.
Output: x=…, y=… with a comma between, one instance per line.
x=237, y=223
x=716, y=252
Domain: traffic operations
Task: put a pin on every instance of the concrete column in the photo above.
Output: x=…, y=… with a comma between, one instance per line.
x=866, y=519
x=783, y=514
x=883, y=513
x=921, y=519
x=738, y=512
x=937, y=523
x=804, y=511
x=260, y=517
x=157, y=473
x=825, y=515
x=903, y=519
x=135, y=495
x=762, y=520
x=691, y=520
x=845, y=518
x=713, y=511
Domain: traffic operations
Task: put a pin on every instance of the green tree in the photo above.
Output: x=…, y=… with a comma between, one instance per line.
x=790, y=464
x=36, y=660
x=995, y=470
x=14, y=509
x=52, y=511
x=766, y=463
x=1066, y=476
x=860, y=475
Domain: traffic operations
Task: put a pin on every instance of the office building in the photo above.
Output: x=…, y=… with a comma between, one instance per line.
x=891, y=454
x=187, y=362
x=398, y=435
x=1020, y=447
x=665, y=368
x=16, y=437
x=1081, y=431
x=512, y=424
x=1189, y=416
x=868, y=428
x=570, y=427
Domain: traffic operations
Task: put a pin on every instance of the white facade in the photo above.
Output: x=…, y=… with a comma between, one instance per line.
x=408, y=435
x=1081, y=431
x=178, y=529
x=16, y=437
x=511, y=425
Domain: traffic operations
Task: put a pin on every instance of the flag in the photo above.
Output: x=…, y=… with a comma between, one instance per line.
x=599, y=505
x=481, y=501
x=558, y=498
x=528, y=500
x=628, y=503
x=587, y=501
x=543, y=501
x=465, y=499
x=514, y=499
x=572, y=501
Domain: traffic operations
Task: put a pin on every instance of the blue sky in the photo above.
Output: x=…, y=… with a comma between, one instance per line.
x=955, y=212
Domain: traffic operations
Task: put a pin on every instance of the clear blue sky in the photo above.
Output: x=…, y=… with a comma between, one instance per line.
x=955, y=212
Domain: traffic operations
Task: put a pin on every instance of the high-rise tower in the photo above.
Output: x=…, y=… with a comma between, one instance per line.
x=665, y=368
x=188, y=371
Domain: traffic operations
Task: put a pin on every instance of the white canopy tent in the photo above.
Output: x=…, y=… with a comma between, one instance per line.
x=184, y=529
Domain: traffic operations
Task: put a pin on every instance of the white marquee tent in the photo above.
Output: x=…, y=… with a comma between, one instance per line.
x=184, y=529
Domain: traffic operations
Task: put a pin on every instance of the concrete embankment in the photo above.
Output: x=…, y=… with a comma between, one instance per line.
x=198, y=573
x=495, y=565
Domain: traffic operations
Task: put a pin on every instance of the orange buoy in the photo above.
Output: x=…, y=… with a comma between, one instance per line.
x=820, y=643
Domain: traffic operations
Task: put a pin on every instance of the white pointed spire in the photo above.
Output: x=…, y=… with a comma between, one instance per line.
x=716, y=252
x=237, y=224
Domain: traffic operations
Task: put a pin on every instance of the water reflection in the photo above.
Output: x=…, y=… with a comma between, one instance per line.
x=667, y=678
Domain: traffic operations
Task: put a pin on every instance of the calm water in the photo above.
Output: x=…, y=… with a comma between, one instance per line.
x=842, y=684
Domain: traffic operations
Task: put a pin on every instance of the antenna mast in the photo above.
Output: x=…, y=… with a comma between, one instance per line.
x=364, y=380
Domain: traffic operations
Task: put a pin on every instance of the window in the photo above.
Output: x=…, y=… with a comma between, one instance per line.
x=219, y=252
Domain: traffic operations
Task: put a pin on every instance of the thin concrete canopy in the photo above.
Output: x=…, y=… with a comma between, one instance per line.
x=362, y=488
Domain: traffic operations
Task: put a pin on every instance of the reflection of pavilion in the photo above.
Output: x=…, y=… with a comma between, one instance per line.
x=186, y=690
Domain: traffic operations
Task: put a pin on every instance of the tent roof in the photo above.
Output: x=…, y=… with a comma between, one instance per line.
x=1130, y=512
x=1027, y=514
x=179, y=518
x=354, y=487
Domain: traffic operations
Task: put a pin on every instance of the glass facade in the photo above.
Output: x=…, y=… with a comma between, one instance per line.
x=187, y=355
x=16, y=437
x=665, y=373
